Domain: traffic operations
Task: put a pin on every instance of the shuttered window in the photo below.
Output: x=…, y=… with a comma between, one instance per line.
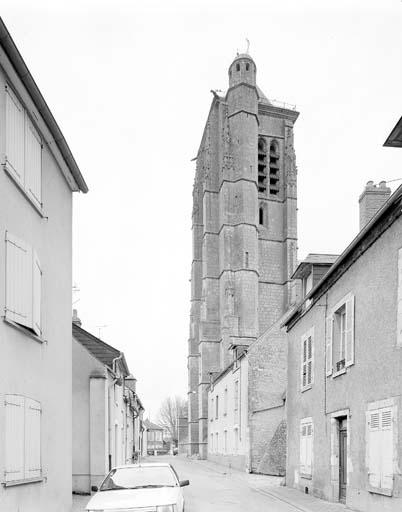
x=22, y=438
x=23, y=156
x=306, y=446
x=340, y=336
x=307, y=359
x=23, y=284
x=380, y=448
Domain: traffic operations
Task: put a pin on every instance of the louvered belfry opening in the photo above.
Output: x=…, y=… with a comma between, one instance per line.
x=262, y=166
x=274, y=169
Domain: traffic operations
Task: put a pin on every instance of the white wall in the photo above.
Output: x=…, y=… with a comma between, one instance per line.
x=228, y=435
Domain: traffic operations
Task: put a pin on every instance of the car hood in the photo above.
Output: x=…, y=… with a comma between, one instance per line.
x=131, y=498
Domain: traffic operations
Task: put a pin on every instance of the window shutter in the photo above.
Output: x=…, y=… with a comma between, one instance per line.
x=328, y=344
x=33, y=467
x=14, y=438
x=304, y=363
x=310, y=360
x=387, y=465
x=309, y=448
x=303, y=448
x=399, y=313
x=18, y=281
x=36, y=295
x=350, y=331
x=15, y=136
x=33, y=162
x=374, y=449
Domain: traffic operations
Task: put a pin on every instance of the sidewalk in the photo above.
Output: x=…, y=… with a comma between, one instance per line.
x=273, y=486
x=301, y=502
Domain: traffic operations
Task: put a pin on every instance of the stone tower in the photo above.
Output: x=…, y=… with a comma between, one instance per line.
x=244, y=232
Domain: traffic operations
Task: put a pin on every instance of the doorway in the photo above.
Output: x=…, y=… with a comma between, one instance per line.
x=343, y=453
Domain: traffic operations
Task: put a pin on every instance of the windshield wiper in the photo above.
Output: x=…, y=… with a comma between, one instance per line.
x=149, y=486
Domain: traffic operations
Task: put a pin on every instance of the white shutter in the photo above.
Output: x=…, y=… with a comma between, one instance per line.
x=350, y=331
x=309, y=448
x=36, y=294
x=33, y=468
x=304, y=363
x=387, y=452
x=15, y=136
x=33, y=162
x=14, y=438
x=329, y=327
x=374, y=449
x=18, y=281
x=303, y=448
x=310, y=360
x=399, y=312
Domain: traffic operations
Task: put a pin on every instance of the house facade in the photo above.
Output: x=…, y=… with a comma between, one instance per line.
x=344, y=378
x=37, y=178
x=107, y=413
x=244, y=252
x=154, y=435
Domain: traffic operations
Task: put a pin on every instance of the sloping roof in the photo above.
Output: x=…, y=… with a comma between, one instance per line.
x=102, y=351
x=313, y=259
x=152, y=426
x=394, y=139
x=26, y=78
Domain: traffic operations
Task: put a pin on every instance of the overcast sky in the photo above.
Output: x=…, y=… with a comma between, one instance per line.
x=129, y=84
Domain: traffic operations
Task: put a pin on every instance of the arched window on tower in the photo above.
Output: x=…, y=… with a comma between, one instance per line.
x=262, y=214
x=262, y=166
x=274, y=168
x=237, y=67
x=247, y=66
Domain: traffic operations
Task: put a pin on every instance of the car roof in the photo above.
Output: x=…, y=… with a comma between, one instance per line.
x=144, y=465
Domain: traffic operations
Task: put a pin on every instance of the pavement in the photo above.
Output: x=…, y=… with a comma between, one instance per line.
x=215, y=488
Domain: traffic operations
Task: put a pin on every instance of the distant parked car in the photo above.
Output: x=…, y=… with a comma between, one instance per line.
x=139, y=486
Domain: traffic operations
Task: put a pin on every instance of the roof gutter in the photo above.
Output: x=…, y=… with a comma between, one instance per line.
x=26, y=78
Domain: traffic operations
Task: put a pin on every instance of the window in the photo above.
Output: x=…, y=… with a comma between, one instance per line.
x=23, y=158
x=211, y=448
x=237, y=67
x=236, y=440
x=216, y=407
x=225, y=402
x=216, y=443
x=236, y=401
x=247, y=66
x=22, y=439
x=273, y=168
x=306, y=446
x=212, y=409
x=340, y=344
x=307, y=352
x=380, y=448
x=307, y=284
x=225, y=441
x=23, y=284
x=262, y=166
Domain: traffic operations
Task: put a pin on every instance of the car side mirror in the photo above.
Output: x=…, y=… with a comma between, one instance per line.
x=94, y=488
x=184, y=483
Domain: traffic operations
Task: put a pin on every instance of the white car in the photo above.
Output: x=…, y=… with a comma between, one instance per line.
x=139, y=487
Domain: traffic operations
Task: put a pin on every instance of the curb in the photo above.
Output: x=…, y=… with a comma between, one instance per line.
x=296, y=506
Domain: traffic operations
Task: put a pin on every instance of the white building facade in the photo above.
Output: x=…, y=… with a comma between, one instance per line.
x=37, y=178
x=228, y=436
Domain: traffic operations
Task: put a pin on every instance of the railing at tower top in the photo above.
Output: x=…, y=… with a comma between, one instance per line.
x=282, y=104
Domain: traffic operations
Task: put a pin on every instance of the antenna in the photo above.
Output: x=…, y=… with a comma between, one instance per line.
x=100, y=327
x=248, y=45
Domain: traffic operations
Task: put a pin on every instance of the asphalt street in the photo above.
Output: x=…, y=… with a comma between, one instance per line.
x=215, y=488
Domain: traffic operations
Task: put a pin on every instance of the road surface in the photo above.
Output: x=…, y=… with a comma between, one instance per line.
x=215, y=488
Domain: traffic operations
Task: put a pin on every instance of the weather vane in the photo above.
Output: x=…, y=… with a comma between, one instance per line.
x=248, y=45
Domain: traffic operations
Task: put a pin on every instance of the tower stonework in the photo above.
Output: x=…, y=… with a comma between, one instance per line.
x=244, y=233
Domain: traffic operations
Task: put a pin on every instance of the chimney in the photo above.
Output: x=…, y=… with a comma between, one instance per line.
x=371, y=200
x=76, y=320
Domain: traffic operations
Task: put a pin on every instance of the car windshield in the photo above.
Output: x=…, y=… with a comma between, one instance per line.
x=140, y=477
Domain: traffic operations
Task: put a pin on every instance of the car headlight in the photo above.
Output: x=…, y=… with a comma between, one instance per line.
x=166, y=508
